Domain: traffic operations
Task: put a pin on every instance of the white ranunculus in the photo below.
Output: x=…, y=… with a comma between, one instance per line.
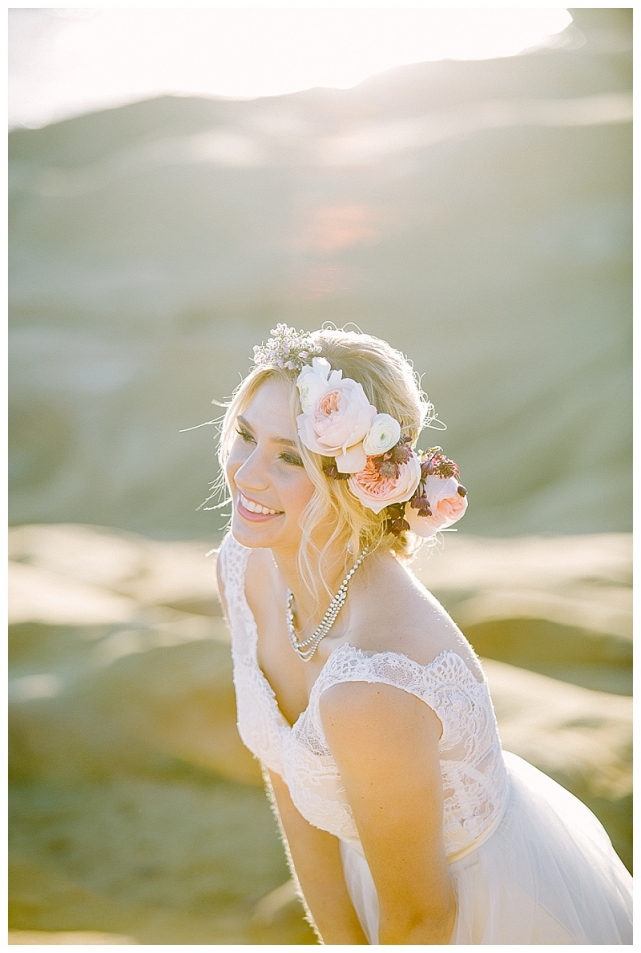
x=384, y=434
x=315, y=380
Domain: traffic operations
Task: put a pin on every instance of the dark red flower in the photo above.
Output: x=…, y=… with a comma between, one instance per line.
x=331, y=470
x=446, y=468
x=400, y=453
x=388, y=470
x=421, y=503
x=397, y=526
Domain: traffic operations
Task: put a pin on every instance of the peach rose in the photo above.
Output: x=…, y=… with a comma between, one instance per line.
x=340, y=418
x=377, y=492
x=446, y=503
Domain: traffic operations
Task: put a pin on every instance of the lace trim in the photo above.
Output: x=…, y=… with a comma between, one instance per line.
x=428, y=682
x=259, y=717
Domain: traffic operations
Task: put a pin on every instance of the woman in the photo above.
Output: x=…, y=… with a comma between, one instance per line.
x=403, y=820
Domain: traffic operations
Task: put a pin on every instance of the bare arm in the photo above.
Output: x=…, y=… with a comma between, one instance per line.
x=385, y=742
x=315, y=861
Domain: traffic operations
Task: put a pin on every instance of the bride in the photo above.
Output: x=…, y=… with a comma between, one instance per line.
x=402, y=818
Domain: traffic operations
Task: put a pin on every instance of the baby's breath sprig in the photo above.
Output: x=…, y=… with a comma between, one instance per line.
x=286, y=348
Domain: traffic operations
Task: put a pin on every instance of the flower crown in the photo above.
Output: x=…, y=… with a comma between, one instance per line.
x=369, y=451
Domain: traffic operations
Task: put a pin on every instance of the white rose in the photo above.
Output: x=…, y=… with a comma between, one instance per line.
x=315, y=380
x=341, y=417
x=384, y=434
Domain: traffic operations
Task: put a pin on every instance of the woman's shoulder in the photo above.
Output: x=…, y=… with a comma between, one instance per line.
x=397, y=637
x=393, y=612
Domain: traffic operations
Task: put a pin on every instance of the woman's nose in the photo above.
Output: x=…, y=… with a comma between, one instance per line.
x=251, y=474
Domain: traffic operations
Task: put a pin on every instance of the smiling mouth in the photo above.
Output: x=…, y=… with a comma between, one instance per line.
x=256, y=509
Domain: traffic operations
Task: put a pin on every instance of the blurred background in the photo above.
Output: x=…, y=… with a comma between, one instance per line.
x=457, y=182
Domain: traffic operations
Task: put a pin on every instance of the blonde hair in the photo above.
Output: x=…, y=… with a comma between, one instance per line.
x=391, y=385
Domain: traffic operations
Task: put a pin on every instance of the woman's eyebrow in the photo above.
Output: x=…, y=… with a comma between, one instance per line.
x=288, y=443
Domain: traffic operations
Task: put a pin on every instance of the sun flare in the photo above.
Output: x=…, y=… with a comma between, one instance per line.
x=65, y=62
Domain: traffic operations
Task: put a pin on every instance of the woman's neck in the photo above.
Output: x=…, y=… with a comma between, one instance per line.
x=308, y=609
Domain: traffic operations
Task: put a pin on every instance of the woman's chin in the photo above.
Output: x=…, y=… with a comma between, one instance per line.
x=254, y=535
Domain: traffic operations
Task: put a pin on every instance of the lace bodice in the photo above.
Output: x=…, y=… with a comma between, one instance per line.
x=472, y=767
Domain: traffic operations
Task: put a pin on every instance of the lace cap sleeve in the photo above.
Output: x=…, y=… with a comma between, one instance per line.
x=440, y=684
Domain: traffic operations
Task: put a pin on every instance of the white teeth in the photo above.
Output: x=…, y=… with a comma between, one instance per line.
x=256, y=507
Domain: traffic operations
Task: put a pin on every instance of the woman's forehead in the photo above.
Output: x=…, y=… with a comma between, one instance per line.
x=270, y=406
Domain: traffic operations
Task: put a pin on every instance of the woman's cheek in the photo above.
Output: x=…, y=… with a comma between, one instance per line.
x=300, y=488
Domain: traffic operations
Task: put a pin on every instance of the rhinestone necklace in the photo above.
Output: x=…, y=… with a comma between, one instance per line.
x=307, y=648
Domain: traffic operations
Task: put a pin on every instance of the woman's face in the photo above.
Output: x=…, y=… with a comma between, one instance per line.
x=269, y=485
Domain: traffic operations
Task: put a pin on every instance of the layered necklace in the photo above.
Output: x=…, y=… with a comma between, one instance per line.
x=306, y=648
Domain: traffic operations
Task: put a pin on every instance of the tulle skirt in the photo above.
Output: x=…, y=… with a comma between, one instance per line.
x=546, y=874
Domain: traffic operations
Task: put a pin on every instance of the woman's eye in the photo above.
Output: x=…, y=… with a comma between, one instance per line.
x=243, y=434
x=292, y=458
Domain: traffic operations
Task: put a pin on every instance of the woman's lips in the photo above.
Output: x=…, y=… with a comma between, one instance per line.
x=254, y=517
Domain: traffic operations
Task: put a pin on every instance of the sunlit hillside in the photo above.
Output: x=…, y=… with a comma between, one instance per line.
x=476, y=214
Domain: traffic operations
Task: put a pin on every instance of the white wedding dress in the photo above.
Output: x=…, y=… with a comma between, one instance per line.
x=530, y=863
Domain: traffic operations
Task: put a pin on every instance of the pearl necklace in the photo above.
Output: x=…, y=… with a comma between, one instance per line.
x=307, y=648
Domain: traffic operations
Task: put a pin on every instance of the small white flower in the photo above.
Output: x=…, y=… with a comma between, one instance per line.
x=384, y=434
